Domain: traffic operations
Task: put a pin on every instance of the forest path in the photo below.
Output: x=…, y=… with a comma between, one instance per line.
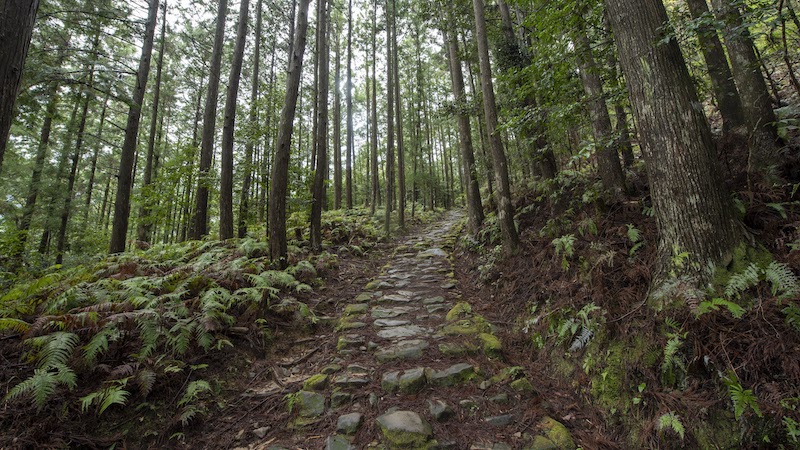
x=410, y=366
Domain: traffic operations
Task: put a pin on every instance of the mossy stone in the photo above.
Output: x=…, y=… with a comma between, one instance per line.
x=453, y=375
x=541, y=443
x=474, y=325
x=491, y=344
x=356, y=309
x=522, y=385
x=460, y=310
x=412, y=381
x=458, y=349
x=556, y=432
x=316, y=382
x=406, y=430
x=363, y=297
x=309, y=404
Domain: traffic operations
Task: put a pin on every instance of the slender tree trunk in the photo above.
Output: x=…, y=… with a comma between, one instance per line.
x=280, y=167
x=145, y=227
x=36, y=179
x=16, y=27
x=349, y=100
x=473, y=192
x=226, y=182
x=318, y=197
x=268, y=149
x=609, y=167
x=374, y=136
x=692, y=209
x=95, y=154
x=785, y=46
x=758, y=113
x=722, y=83
x=387, y=219
x=244, y=200
x=337, y=127
x=122, y=205
x=401, y=158
x=505, y=210
x=200, y=228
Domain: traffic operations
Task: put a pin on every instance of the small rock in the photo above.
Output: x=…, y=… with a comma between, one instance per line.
x=357, y=368
x=317, y=382
x=331, y=369
x=356, y=309
x=541, y=443
x=373, y=399
x=433, y=300
x=448, y=285
x=456, y=349
x=433, y=309
x=522, y=385
x=410, y=349
x=491, y=345
x=309, y=404
x=412, y=381
x=339, y=399
x=240, y=435
x=390, y=381
x=338, y=443
x=390, y=323
x=363, y=297
x=499, y=399
x=405, y=429
x=468, y=403
x=500, y=421
x=395, y=298
x=431, y=253
x=401, y=332
x=556, y=432
x=453, y=375
x=261, y=432
x=350, y=381
x=349, y=341
x=345, y=325
x=440, y=410
x=349, y=423
x=388, y=313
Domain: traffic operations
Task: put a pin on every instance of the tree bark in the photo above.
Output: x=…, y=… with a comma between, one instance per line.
x=608, y=165
x=473, y=192
x=122, y=205
x=349, y=100
x=318, y=197
x=226, y=181
x=728, y=100
x=280, y=168
x=244, y=200
x=505, y=210
x=401, y=163
x=692, y=209
x=17, y=18
x=374, y=137
x=387, y=218
x=200, y=227
x=337, y=126
x=758, y=112
x=145, y=226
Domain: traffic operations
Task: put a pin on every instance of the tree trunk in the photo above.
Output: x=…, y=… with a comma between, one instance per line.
x=145, y=228
x=401, y=163
x=122, y=205
x=95, y=154
x=692, y=209
x=16, y=26
x=608, y=164
x=374, y=136
x=200, y=227
x=226, y=181
x=349, y=100
x=473, y=192
x=318, y=197
x=337, y=127
x=505, y=210
x=722, y=83
x=387, y=218
x=758, y=113
x=244, y=200
x=280, y=168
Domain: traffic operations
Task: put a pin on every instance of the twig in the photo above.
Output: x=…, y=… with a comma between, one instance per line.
x=300, y=359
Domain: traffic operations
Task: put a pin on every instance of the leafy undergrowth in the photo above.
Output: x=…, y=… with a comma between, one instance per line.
x=627, y=367
x=136, y=347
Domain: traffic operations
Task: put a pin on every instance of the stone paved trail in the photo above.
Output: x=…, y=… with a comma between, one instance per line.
x=415, y=368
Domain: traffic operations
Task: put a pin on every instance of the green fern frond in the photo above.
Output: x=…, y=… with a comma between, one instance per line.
x=99, y=344
x=16, y=325
x=671, y=421
x=193, y=391
x=57, y=349
x=714, y=304
x=42, y=384
x=104, y=398
x=743, y=281
x=146, y=380
x=792, y=312
x=781, y=279
x=740, y=397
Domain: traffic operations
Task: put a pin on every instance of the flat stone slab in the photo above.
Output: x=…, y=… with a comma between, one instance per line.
x=453, y=375
x=349, y=423
x=390, y=312
x=397, y=298
x=412, y=381
x=433, y=300
x=405, y=429
x=432, y=253
x=338, y=443
x=310, y=404
x=500, y=421
x=402, y=332
x=390, y=323
x=356, y=309
x=350, y=381
x=410, y=349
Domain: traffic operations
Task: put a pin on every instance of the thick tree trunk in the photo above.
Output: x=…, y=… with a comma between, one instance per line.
x=692, y=209
x=122, y=205
x=505, y=210
x=145, y=226
x=401, y=163
x=728, y=100
x=337, y=127
x=226, y=181
x=280, y=168
x=374, y=137
x=200, y=227
x=244, y=200
x=758, y=112
x=16, y=26
x=318, y=197
x=473, y=192
x=608, y=165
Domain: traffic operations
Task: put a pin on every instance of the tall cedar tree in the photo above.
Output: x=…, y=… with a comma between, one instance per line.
x=318, y=197
x=349, y=99
x=145, y=226
x=122, y=205
x=226, y=181
x=505, y=210
x=244, y=199
x=692, y=209
x=209, y=125
x=280, y=167
x=387, y=217
x=16, y=27
x=401, y=163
